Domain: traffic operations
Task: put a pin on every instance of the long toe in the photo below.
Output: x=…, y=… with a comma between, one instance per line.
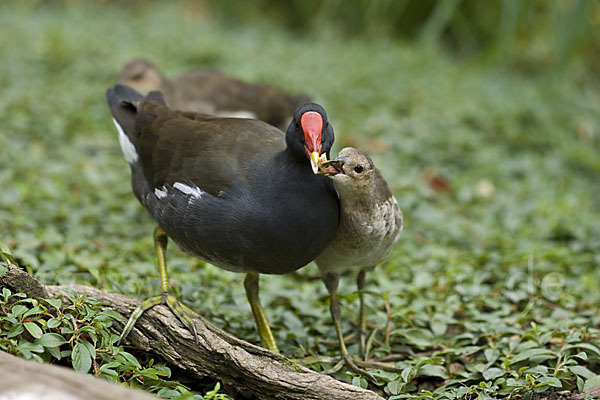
x=137, y=313
x=185, y=314
x=353, y=366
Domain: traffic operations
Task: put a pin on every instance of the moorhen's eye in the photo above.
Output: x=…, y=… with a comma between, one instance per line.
x=138, y=76
x=358, y=169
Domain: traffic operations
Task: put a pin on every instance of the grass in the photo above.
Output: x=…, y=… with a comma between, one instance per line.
x=493, y=289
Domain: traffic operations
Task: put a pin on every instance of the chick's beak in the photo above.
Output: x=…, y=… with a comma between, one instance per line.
x=332, y=167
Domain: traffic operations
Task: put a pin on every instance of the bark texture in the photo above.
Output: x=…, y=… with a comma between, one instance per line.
x=250, y=369
x=25, y=380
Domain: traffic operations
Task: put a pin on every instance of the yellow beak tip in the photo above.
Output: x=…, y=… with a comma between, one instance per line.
x=314, y=161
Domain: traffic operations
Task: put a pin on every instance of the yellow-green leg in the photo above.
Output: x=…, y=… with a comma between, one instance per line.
x=264, y=330
x=183, y=313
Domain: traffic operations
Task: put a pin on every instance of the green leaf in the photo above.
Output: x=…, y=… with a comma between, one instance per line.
x=580, y=384
x=33, y=311
x=153, y=372
x=33, y=329
x=51, y=340
x=582, y=371
x=65, y=353
x=585, y=346
x=360, y=382
x=405, y=374
x=591, y=383
x=531, y=353
x=395, y=387
x=433, y=370
x=18, y=310
x=512, y=382
x=166, y=393
x=114, y=315
x=538, y=369
x=15, y=331
x=108, y=370
x=25, y=346
x=130, y=359
x=54, y=352
x=53, y=323
x=111, y=364
x=90, y=348
x=550, y=381
x=491, y=355
x=493, y=373
x=113, y=339
x=56, y=303
x=82, y=359
x=418, y=337
x=5, y=249
x=439, y=323
x=385, y=376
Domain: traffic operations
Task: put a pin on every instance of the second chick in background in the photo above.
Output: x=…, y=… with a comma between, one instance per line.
x=212, y=92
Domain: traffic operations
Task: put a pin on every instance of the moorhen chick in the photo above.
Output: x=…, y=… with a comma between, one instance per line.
x=212, y=92
x=370, y=225
x=238, y=193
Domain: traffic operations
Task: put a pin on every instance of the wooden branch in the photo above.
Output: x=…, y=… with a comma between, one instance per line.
x=18, y=280
x=32, y=380
x=248, y=368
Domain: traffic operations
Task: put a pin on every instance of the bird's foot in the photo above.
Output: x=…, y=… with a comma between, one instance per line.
x=353, y=365
x=183, y=313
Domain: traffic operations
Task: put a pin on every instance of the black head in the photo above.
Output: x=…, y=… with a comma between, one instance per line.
x=310, y=134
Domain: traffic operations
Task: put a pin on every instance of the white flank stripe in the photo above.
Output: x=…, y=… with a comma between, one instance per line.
x=160, y=193
x=127, y=147
x=193, y=191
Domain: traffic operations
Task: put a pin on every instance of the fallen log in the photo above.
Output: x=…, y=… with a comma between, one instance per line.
x=33, y=380
x=250, y=369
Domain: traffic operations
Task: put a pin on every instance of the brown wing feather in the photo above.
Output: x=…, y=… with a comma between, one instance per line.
x=211, y=153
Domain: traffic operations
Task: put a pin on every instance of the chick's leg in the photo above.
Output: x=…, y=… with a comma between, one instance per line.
x=331, y=281
x=362, y=318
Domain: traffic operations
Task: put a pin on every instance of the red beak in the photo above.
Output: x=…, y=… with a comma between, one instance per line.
x=312, y=126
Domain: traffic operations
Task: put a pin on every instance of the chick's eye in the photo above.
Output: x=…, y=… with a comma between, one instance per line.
x=358, y=169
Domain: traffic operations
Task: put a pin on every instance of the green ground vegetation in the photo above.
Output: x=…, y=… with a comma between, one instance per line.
x=493, y=289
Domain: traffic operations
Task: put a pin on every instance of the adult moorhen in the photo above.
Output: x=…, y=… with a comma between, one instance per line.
x=212, y=92
x=238, y=193
x=370, y=225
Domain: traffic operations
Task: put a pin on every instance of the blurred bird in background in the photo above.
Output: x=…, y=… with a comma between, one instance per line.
x=212, y=92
